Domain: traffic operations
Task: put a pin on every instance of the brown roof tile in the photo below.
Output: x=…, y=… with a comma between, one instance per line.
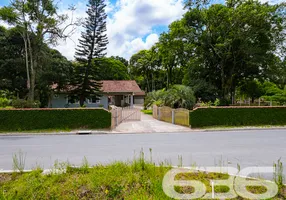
x=116, y=86
x=120, y=86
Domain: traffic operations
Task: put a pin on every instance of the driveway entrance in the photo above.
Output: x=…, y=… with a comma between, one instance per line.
x=149, y=125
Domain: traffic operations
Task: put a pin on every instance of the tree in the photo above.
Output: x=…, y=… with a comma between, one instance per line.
x=273, y=93
x=58, y=70
x=38, y=23
x=121, y=59
x=252, y=89
x=232, y=42
x=92, y=45
x=111, y=69
x=144, y=67
x=12, y=64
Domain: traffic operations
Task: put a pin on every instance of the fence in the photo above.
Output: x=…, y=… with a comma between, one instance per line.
x=176, y=116
x=125, y=114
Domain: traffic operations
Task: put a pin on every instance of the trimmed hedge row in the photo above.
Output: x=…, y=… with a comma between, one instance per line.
x=238, y=116
x=61, y=119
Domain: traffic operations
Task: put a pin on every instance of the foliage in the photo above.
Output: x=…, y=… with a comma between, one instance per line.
x=4, y=102
x=147, y=112
x=37, y=23
x=216, y=49
x=121, y=59
x=92, y=45
x=111, y=69
x=55, y=68
x=252, y=89
x=139, y=179
x=239, y=116
x=178, y=96
x=22, y=103
x=60, y=119
x=19, y=161
x=143, y=67
x=273, y=93
x=155, y=97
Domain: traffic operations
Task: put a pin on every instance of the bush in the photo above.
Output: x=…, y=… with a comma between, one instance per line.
x=63, y=119
x=237, y=116
x=178, y=96
x=4, y=102
x=22, y=103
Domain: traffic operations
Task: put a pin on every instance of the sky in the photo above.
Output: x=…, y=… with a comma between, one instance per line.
x=132, y=25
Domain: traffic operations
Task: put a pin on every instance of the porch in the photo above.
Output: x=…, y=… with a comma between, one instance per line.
x=121, y=100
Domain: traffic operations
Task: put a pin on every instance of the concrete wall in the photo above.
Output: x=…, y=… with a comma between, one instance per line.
x=60, y=101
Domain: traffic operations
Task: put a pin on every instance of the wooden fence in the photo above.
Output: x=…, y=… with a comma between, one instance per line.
x=178, y=116
x=182, y=117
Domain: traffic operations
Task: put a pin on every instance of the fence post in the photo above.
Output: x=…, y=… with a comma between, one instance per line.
x=116, y=117
x=173, y=116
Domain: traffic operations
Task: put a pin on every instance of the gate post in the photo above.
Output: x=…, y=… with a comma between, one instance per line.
x=173, y=116
x=116, y=117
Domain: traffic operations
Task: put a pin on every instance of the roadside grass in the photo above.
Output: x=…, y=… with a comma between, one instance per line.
x=147, y=112
x=139, y=179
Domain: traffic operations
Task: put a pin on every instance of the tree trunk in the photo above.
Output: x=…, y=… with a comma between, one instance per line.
x=24, y=35
x=33, y=74
x=81, y=100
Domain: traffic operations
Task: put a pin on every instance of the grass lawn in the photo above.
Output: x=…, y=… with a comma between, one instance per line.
x=136, y=180
x=148, y=112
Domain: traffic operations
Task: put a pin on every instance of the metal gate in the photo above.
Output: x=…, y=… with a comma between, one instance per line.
x=125, y=114
x=131, y=114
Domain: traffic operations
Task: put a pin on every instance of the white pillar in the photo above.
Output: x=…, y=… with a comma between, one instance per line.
x=131, y=101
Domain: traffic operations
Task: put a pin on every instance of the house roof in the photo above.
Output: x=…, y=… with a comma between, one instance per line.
x=117, y=86
x=120, y=86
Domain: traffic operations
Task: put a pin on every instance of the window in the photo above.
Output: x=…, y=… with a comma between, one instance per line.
x=94, y=100
x=71, y=101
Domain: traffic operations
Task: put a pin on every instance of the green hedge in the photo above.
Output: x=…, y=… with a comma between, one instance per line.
x=230, y=116
x=60, y=119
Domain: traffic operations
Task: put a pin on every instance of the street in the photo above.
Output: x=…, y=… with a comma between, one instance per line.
x=227, y=148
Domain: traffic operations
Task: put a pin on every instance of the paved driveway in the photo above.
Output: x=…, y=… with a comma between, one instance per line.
x=149, y=125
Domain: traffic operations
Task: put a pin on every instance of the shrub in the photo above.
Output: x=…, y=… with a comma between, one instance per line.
x=22, y=103
x=237, y=116
x=63, y=119
x=178, y=96
x=4, y=102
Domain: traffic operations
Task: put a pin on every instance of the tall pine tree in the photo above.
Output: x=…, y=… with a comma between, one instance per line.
x=92, y=45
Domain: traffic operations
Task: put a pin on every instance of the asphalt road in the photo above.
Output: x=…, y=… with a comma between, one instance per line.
x=247, y=148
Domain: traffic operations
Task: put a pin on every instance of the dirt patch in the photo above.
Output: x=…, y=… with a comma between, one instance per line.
x=5, y=178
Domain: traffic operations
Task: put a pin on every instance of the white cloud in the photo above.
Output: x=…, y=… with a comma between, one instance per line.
x=137, y=44
x=136, y=18
x=128, y=22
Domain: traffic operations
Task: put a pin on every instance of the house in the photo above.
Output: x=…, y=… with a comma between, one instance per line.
x=118, y=93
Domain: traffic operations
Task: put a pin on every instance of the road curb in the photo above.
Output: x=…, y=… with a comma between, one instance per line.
x=240, y=129
x=52, y=134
